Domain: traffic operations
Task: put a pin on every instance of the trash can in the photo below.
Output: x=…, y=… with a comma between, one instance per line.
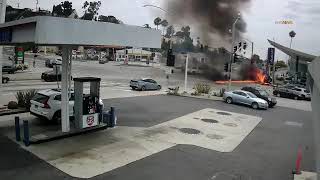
x=113, y=117
x=106, y=117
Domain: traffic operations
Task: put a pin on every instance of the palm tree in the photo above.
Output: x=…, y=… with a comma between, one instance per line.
x=164, y=23
x=292, y=34
x=157, y=21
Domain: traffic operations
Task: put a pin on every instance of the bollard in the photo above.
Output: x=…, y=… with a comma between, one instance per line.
x=17, y=128
x=112, y=117
x=298, y=161
x=26, y=139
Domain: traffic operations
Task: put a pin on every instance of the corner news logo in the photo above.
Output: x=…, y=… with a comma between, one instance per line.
x=90, y=120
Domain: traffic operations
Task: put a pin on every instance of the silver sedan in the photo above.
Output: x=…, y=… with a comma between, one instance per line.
x=244, y=97
x=144, y=84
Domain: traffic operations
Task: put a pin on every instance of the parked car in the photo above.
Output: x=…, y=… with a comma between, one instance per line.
x=46, y=104
x=9, y=68
x=261, y=93
x=5, y=79
x=103, y=60
x=302, y=92
x=52, y=61
x=287, y=92
x=246, y=98
x=144, y=84
x=51, y=76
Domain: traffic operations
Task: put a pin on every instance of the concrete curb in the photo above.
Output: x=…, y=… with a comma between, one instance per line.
x=213, y=98
x=14, y=111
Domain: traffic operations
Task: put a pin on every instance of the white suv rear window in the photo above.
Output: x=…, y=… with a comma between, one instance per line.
x=40, y=98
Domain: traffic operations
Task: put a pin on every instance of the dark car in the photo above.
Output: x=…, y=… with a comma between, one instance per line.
x=263, y=94
x=8, y=68
x=5, y=79
x=51, y=76
x=286, y=92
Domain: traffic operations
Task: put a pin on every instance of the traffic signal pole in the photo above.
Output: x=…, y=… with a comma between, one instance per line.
x=3, y=6
x=231, y=51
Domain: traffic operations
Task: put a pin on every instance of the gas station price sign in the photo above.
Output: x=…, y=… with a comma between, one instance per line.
x=20, y=55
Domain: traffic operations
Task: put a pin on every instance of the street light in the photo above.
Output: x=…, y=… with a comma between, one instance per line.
x=231, y=49
x=150, y=5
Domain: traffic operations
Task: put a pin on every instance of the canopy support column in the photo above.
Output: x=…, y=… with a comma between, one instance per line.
x=65, y=78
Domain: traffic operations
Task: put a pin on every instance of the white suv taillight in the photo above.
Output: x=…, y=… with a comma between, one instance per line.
x=46, y=105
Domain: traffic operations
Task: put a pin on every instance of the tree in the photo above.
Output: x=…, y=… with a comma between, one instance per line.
x=281, y=64
x=292, y=34
x=198, y=42
x=170, y=32
x=91, y=10
x=146, y=26
x=157, y=21
x=110, y=19
x=184, y=32
x=164, y=24
x=64, y=9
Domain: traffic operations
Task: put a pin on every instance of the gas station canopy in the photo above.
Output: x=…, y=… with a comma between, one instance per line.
x=293, y=53
x=46, y=30
x=67, y=32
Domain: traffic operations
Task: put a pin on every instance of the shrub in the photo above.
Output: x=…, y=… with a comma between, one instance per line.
x=24, y=97
x=21, y=67
x=12, y=105
x=25, y=66
x=222, y=91
x=202, y=88
x=173, y=91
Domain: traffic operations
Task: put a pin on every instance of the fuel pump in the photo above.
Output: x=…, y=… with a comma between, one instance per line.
x=87, y=107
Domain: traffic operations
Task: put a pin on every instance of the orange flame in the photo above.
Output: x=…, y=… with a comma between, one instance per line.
x=260, y=78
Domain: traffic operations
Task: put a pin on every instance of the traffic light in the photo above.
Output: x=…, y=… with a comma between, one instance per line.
x=235, y=49
x=240, y=46
x=244, y=45
x=226, y=67
x=236, y=58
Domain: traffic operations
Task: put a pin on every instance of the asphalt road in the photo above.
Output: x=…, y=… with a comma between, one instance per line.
x=268, y=152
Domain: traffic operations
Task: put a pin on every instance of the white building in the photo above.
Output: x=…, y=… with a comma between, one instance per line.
x=133, y=55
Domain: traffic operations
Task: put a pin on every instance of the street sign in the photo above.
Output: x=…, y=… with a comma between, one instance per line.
x=90, y=120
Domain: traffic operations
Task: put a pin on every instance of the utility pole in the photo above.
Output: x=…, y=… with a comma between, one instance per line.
x=3, y=6
x=231, y=49
x=37, y=2
x=251, y=49
x=186, y=74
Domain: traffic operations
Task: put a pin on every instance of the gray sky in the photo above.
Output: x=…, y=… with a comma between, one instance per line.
x=260, y=17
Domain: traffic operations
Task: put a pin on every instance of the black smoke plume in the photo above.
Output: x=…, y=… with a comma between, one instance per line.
x=211, y=16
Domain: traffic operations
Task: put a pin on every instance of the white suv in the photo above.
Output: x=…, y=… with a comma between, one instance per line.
x=46, y=104
x=302, y=93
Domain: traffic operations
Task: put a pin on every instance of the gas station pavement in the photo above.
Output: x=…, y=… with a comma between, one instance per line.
x=169, y=137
